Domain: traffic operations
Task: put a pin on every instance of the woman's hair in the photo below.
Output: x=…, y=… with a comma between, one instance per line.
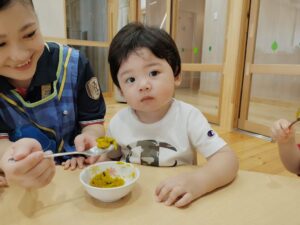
x=134, y=36
x=5, y=3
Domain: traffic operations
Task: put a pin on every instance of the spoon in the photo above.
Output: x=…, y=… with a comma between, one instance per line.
x=94, y=151
x=295, y=121
x=292, y=123
x=297, y=118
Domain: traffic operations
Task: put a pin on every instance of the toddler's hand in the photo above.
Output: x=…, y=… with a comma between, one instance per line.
x=180, y=190
x=86, y=141
x=28, y=167
x=280, y=131
x=73, y=163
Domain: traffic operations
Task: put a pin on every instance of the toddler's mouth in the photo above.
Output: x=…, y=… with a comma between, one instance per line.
x=147, y=98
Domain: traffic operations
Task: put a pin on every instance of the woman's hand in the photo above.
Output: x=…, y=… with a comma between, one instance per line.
x=24, y=164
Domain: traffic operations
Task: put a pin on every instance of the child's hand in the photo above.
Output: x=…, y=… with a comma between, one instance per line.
x=82, y=142
x=180, y=190
x=28, y=168
x=73, y=163
x=86, y=141
x=280, y=131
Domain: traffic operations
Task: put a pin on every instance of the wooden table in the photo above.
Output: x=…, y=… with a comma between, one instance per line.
x=253, y=198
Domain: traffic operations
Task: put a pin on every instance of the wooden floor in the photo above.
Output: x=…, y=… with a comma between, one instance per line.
x=254, y=154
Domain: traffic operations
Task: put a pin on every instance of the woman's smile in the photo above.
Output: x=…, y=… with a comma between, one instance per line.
x=24, y=66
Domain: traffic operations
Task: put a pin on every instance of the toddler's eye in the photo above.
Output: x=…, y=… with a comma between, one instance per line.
x=153, y=73
x=30, y=34
x=2, y=44
x=130, y=80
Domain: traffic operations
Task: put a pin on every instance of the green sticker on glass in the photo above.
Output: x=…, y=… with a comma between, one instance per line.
x=196, y=50
x=274, y=46
x=210, y=48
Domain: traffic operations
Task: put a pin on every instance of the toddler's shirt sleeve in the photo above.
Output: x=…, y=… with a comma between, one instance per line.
x=204, y=139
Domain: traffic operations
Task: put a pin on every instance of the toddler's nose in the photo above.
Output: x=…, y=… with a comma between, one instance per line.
x=145, y=85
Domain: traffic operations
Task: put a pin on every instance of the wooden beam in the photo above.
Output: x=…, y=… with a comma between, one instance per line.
x=247, y=83
x=236, y=12
x=202, y=67
x=168, y=14
x=133, y=10
x=272, y=69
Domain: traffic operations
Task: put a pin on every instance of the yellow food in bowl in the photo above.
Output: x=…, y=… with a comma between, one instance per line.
x=105, y=174
x=105, y=180
x=105, y=142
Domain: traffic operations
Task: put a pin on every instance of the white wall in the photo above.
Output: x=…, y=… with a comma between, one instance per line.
x=214, y=35
x=51, y=17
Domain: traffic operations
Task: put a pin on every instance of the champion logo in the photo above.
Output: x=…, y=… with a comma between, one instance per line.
x=210, y=133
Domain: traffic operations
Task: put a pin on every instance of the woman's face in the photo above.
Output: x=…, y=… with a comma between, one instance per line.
x=21, y=43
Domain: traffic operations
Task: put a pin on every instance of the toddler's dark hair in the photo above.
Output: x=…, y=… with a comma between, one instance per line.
x=5, y=3
x=134, y=36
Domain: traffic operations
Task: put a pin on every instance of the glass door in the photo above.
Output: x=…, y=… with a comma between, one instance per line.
x=272, y=72
x=194, y=27
x=83, y=24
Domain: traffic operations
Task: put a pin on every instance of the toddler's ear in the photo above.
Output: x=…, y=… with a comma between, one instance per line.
x=178, y=80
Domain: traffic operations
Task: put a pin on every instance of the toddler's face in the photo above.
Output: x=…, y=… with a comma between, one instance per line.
x=147, y=82
x=21, y=43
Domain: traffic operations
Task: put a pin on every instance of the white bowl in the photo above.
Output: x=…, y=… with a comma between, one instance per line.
x=127, y=171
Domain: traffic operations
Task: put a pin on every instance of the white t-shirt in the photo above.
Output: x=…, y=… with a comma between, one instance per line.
x=168, y=142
